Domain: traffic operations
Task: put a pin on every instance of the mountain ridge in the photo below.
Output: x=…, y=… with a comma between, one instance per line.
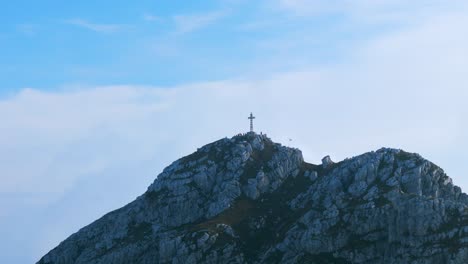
x=249, y=200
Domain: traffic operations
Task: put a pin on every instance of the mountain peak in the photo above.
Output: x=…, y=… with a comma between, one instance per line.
x=247, y=164
x=247, y=199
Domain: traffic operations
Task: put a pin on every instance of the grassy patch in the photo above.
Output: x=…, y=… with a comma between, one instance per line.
x=138, y=232
x=403, y=156
x=241, y=209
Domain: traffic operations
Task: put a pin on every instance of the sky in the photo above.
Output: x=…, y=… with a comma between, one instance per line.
x=97, y=97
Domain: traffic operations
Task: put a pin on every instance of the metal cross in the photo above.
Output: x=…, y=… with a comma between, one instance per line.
x=251, y=117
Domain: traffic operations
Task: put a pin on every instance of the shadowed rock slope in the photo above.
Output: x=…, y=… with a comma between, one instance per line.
x=250, y=200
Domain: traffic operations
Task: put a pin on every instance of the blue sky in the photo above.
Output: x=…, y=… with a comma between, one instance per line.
x=51, y=44
x=97, y=97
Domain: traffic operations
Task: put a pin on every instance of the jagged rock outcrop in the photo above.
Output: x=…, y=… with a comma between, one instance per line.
x=249, y=200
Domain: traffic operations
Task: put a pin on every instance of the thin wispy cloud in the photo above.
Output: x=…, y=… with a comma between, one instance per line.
x=189, y=23
x=150, y=18
x=101, y=28
x=365, y=10
x=27, y=29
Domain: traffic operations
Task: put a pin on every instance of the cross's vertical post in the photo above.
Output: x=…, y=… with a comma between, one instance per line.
x=251, y=117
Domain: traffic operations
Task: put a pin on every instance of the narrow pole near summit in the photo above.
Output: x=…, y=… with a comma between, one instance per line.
x=251, y=117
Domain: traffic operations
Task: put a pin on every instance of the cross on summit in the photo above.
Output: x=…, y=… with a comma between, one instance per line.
x=251, y=117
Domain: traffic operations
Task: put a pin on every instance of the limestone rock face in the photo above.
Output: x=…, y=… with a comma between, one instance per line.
x=250, y=200
x=326, y=161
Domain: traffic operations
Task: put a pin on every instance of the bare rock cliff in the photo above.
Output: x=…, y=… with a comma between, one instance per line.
x=250, y=200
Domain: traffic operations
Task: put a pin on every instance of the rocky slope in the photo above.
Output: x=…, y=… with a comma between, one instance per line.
x=249, y=200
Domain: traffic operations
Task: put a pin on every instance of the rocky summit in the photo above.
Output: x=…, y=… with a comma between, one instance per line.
x=249, y=200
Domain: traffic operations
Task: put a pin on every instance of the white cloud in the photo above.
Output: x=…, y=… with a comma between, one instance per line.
x=56, y=121
x=102, y=28
x=189, y=23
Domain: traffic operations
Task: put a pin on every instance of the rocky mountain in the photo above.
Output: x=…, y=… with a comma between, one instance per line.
x=249, y=200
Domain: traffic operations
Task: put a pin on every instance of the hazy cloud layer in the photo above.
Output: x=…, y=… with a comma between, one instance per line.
x=101, y=28
x=189, y=23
